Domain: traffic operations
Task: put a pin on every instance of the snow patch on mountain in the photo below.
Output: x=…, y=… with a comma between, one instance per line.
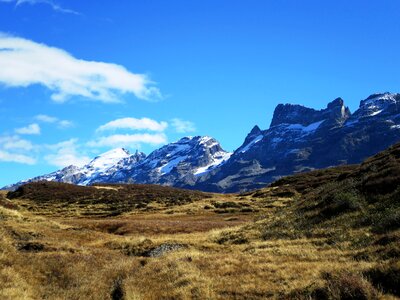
x=167, y=168
x=200, y=154
x=306, y=129
x=249, y=145
x=218, y=159
x=105, y=161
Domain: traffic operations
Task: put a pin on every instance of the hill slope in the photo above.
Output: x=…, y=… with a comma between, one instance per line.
x=354, y=208
x=101, y=200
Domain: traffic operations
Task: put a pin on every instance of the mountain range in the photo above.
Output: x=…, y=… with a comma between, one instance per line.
x=299, y=139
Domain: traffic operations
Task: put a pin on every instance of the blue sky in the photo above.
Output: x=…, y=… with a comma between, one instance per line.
x=78, y=78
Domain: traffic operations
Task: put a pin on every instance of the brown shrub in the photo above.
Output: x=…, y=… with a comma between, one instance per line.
x=386, y=277
x=345, y=286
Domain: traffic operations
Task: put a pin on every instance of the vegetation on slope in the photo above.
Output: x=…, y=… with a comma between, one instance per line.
x=352, y=208
x=109, y=200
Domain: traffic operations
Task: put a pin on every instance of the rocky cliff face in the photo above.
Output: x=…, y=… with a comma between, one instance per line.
x=336, y=113
x=301, y=139
x=180, y=163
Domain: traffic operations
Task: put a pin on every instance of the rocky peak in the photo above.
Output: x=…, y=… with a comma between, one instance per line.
x=255, y=130
x=379, y=104
x=131, y=160
x=379, y=99
x=254, y=133
x=292, y=114
x=338, y=102
x=70, y=168
x=138, y=155
x=188, y=156
x=385, y=95
x=334, y=113
x=202, y=143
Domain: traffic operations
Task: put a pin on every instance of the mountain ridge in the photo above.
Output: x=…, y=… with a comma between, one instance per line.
x=303, y=139
x=299, y=139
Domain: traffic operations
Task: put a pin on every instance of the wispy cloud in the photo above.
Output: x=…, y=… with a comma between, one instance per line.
x=62, y=154
x=65, y=124
x=56, y=7
x=6, y=156
x=134, y=124
x=17, y=150
x=46, y=118
x=54, y=120
x=182, y=126
x=15, y=142
x=24, y=63
x=30, y=129
x=129, y=140
x=66, y=153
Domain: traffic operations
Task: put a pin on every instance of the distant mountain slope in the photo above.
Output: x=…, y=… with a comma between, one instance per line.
x=302, y=139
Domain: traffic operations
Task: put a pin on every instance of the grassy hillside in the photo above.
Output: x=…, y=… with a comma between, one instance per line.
x=100, y=200
x=355, y=209
x=328, y=234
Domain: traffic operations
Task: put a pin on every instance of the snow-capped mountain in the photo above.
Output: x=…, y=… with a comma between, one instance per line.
x=178, y=163
x=107, y=164
x=100, y=167
x=298, y=139
x=301, y=139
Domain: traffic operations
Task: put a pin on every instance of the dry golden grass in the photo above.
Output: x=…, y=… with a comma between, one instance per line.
x=46, y=253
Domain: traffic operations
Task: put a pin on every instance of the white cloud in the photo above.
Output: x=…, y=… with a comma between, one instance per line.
x=65, y=154
x=134, y=124
x=24, y=63
x=52, y=120
x=15, y=142
x=46, y=118
x=182, y=126
x=126, y=140
x=65, y=124
x=15, y=149
x=50, y=3
x=6, y=156
x=30, y=129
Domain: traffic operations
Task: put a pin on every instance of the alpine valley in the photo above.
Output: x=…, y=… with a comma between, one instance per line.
x=299, y=139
